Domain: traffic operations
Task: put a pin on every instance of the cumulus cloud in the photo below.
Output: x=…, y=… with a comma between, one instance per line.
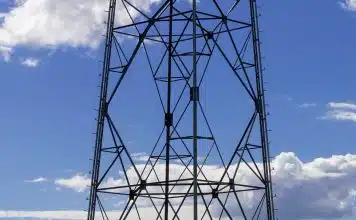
x=51, y=23
x=348, y=4
x=341, y=111
x=30, y=62
x=322, y=188
x=37, y=180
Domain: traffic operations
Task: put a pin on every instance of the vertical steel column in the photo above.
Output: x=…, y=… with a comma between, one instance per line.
x=195, y=113
x=102, y=112
x=260, y=104
x=168, y=116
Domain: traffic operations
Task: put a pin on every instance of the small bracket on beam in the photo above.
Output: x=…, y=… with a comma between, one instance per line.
x=194, y=93
x=105, y=108
x=132, y=195
x=258, y=105
x=215, y=193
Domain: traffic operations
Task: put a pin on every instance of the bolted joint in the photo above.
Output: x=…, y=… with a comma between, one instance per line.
x=151, y=21
x=143, y=184
x=141, y=37
x=224, y=19
x=194, y=93
x=168, y=119
x=232, y=184
x=215, y=193
x=209, y=35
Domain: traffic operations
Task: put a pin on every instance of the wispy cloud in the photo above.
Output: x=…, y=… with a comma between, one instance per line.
x=37, y=180
x=6, y=52
x=340, y=111
x=30, y=62
x=307, y=105
x=340, y=115
x=145, y=213
x=140, y=157
x=68, y=215
x=348, y=4
x=69, y=171
x=342, y=105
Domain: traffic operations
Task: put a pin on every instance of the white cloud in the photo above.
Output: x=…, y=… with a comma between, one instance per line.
x=6, y=52
x=19, y=2
x=307, y=105
x=322, y=188
x=30, y=62
x=37, y=180
x=348, y=4
x=78, y=182
x=342, y=105
x=68, y=215
x=340, y=115
x=145, y=213
x=69, y=171
x=140, y=157
x=341, y=111
x=51, y=23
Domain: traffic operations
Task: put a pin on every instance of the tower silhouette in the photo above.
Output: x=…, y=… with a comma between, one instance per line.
x=206, y=128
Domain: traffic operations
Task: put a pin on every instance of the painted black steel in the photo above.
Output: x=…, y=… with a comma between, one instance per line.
x=197, y=188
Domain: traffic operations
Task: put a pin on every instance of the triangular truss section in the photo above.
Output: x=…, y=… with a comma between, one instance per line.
x=182, y=48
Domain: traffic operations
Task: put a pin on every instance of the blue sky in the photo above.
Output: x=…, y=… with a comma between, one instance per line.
x=49, y=95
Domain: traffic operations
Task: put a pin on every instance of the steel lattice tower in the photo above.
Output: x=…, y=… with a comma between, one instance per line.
x=178, y=40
